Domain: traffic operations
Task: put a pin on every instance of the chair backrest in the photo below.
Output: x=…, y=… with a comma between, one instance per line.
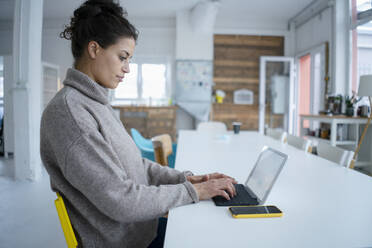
x=163, y=148
x=144, y=145
x=65, y=222
x=140, y=140
x=298, y=142
x=277, y=134
x=212, y=127
x=348, y=159
x=338, y=155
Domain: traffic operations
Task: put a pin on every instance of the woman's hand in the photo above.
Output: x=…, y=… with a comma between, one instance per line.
x=204, y=178
x=223, y=186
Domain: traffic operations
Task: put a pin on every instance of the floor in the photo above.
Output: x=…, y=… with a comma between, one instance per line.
x=28, y=217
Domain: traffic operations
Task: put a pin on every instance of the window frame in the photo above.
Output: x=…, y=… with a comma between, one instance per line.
x=140, y=60
x=362, y=18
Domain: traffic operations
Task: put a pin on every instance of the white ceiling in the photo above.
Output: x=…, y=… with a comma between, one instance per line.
x=266, y=10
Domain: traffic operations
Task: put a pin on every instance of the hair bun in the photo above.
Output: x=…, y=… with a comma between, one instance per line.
x=108, y=6
x=87, y=11
x=103, y=21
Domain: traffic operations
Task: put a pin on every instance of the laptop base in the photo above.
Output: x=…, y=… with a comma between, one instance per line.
x=242, y=198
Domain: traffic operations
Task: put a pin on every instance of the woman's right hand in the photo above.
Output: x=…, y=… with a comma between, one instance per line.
x=216, y=187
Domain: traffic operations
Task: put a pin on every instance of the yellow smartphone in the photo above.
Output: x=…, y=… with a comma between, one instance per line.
x=255, y=211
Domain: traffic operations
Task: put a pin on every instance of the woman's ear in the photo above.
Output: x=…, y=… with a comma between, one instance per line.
x=93, y=49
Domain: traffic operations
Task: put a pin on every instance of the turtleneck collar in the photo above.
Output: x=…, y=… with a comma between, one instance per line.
x=86, y=85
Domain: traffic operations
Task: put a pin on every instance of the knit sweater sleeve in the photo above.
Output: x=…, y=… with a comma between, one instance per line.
x=158, y=174
x=91, y=166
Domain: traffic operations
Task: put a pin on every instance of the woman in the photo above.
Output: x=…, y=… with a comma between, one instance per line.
x=113, y=196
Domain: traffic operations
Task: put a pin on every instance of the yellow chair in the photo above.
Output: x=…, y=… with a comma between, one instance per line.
x=65, y=222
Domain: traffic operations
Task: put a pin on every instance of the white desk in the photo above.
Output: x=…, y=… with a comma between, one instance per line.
x=324, y=205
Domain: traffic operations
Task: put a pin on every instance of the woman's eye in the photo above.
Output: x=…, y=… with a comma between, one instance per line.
x=122, y=58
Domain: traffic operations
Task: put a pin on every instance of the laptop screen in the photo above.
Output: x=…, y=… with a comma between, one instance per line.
x=265, y=172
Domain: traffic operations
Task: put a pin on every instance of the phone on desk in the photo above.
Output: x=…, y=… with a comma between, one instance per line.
x=255, y=211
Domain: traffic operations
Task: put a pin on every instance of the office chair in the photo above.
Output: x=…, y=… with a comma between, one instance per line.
x=335, y=154
x=65, y=222
x=276, y=134
x=163, y=148
x=212, y=127
x=300, y=143
x=147, y=149
x=143, y=144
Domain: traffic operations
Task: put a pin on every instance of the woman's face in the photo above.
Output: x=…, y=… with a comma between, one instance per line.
x=112, y=63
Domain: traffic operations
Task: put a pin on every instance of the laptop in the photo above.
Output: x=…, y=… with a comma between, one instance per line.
x=259, y=182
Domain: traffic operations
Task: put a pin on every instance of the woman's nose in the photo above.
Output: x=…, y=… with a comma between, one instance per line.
x=126, y=68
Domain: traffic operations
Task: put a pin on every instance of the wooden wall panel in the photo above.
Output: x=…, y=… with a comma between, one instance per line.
x=236, y=66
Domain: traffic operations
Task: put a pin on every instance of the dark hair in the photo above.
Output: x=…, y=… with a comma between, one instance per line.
x=103, y=21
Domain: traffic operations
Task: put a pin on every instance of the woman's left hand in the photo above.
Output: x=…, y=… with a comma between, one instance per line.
x=204, y=178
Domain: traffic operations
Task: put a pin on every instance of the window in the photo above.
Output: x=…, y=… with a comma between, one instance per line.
x=1, y=81
x=154, y=80
x=147, y=82
x=361, y=32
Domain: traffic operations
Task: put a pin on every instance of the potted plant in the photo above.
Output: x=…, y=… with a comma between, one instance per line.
x=350, y=102
x=349, y=106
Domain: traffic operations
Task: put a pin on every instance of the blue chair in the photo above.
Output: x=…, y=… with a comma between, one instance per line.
x=147, y=150
x=145, y=145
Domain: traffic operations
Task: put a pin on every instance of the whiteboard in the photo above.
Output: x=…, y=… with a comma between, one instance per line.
x=194, y=80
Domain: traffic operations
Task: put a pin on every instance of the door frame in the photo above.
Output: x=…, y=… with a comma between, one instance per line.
x=322, y=49
x=262, y=89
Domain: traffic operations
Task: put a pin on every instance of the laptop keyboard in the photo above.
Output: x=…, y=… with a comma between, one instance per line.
x=242, y=198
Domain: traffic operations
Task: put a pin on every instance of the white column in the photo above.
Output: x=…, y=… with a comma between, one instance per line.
x=27, y=88
x=341, y=49
x=290, y=41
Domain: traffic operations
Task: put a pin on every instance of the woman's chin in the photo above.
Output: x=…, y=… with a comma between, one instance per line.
x=113, y=85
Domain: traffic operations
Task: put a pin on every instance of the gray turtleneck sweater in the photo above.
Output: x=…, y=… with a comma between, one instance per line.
x=113, y=196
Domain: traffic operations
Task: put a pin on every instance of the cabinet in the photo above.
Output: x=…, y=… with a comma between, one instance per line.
x=149, y=121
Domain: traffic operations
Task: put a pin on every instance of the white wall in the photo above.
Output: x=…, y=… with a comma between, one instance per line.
x=56, y=50
x=314, y=32
x=156, y=38
x=156, y=42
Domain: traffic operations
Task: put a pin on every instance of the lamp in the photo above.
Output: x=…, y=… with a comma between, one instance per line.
x=365, y=89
